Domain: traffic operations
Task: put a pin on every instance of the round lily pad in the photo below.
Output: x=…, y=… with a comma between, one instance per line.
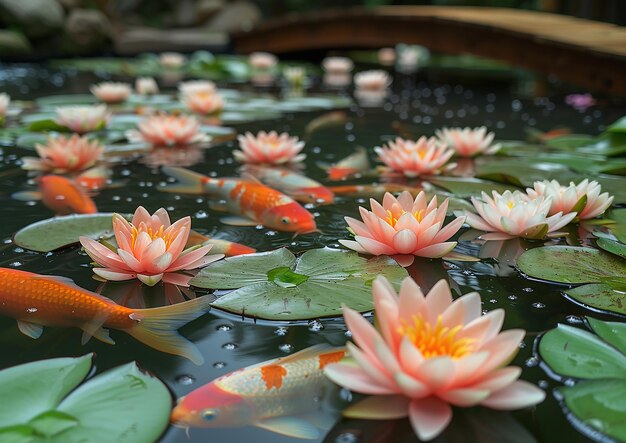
x=599, y=296
x=278, y=286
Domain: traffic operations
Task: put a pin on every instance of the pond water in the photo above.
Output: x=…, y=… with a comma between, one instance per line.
x=229, y=342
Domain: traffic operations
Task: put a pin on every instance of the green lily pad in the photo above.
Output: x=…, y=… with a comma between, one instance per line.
x=599, y=405
x=278, y=286
x=57, y=232
x=467, y=187
x=619, y=228
x=66, y=100
x=611, y=332
x=570, y=141
x=572, y=352
x=122, y=404
x=600, y=296
x=570, y=264
x=612, y=246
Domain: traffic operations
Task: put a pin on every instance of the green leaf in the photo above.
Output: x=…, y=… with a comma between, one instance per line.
x=619, y=228
x=53, y=422
x=599, y=296
x=120, y=405
x=57, y=232
x=572, y=352
x=52, y=101
x=599, y=404
x=611, y=332
x=612, y=246
x=34, y=388
x=467, y=187
x=570, y=264
x=570, y=141
x=277, y=286
x=18, y=434
x=46, y=125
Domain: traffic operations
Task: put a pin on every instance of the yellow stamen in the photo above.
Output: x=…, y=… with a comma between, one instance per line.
x=391, y=220
x=438, y=340
x=153, y=234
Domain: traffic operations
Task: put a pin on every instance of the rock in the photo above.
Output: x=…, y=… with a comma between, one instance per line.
x=87, y=30
x=13, y=43
x=36, y=18
x=205, y=9
x=137, y=40
x=235, y=17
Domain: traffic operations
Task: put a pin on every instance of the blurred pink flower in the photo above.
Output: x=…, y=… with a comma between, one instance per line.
x=426, y=156
x=5, y=100
x=112, y=92
x=584, y=198
x=149, y=249
x=168, y=130
x=146, y=86
x=403, y=228
x=513, y=214
x=262, y=60
x=195, y=86
x=172, y=59
x=269, y=148
x=580, y=102
x=83, y=119
x=468, y=142
x=62, y=155
x=374, y=80
x=337, y=65
x=430, y=353
x=203, y=102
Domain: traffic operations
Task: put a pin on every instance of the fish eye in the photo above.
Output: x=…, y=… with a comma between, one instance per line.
x=209, y=414
x=285, y=220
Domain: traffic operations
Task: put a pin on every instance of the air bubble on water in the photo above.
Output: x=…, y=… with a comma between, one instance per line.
x=315, y=326
x=345, y=394
x=493, y=301
x=18, y=250
x=219, y=364
x=224, y=328
x=348, y=333
x=574, y=319
x=185, y=379
x=116, y=198
x=16, y=264
x=31, y=310
x=538, y=305
x=125, y=172
x=281, y=331
x=543, y=384
x=512, y=297
x=7, y=241
x=170, y=208
x=177, y=197
x=230, y=346
x=347, y=437
x=316, y=150
x=285, y=347
x=532, y=361
x=527, y=289
x=199, y=200
x=271, y=233
x=259, y=227
x=569, y=382
x=201, y=214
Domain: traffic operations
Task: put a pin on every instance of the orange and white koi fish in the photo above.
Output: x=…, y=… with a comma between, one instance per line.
x=61, y=195
x=353, y=164
x=36, y=301
x=535, y=135
x=269, y=395
x=333, y=118
x=94, y=178
x=297, y=186
x=373, y=191
x=220, y=246
x=252, y=202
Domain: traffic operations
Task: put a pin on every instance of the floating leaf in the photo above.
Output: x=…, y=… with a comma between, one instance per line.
x=612, y=246
x=570, y=264
x=611, y=332
x=57, y=232
x=278, y=286
x=599, y=404
x=66, y=100
x=572, y=352
x=619, y=228
x=599, y=296
x=467, y=187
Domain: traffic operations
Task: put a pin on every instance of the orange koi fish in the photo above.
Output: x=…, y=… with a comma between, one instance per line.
x=353, y=164
x=36, y=301
x=373, y=190
x=94, y=178
x=61, y=195
x=268, y=395
x=252, y=202
x=534, y=135
x=220, y=246
x=297, y=186
x=333, y=118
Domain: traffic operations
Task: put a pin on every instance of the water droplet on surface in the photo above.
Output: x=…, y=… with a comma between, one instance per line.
x=219, y=364
x=285, y=347
x=347, y=437
x=527, y=289
x=574, y=319
x=281, y=331
x=201, y=214
x=230, y=346
x=532, y=361
x=543, y=384
x=185, y=379
x=224, y=328
x=538, y=305
x=315, y=325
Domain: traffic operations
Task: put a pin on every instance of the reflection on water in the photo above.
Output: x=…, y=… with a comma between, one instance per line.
x=228, y=342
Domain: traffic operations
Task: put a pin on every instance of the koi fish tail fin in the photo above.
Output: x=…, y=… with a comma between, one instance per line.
x=158, y=327
x=189, y=182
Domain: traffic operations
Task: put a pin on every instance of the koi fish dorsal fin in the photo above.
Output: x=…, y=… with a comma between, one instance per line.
x=246, y=176
x=310, y=352
x=32, y=330
x=290, y=426
x=189, y=182
x=101, y=334
x=234, y=220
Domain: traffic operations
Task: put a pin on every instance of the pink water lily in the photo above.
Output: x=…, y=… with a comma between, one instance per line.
x=150, y=249
x=146, y=86
x=65, y=154
x=112, y=92
x=203, y=102
x=584, y=197
x=428, y=354
x=337, y=65
x=83, y=119
x=403, y=228
x=468, y=142
x=168, y=130
x=426, y=156
x=513, y=214
x=269, y=148
x=262, y=60
x=374, y=80
x=5, y=100
x=172, y=60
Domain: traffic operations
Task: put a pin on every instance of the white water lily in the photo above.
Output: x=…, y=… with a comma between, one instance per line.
x=468, y=142
x=83, y=119
x=584, y=198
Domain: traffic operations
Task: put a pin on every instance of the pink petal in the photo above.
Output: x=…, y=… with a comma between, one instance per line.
x=435, y=251
x=380, y=407
x=353, y=378
x=519, y=394
x=404, y=241
x=374, y=368
x=176, y=279
x=484, y=328
x=464, y=397
x=404, y=260
x=436, y=372
x=499, y=378
x=374, y=247
x=363, y=333
x=411, y=387
x=410, y=357
x=102, y=255
x=354, y=246
x=114, y=275
x=187, y=258
x=438, y=300
x=150, y=280
x=429, y=417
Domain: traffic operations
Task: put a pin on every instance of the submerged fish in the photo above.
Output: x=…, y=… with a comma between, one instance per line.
x=298, y=186
x=374, y=190
x=36, y=301
x=61, y=195
x=220, y=246
x=535, y=135
x=334, y=118
x=252, y=202
x=272, y=395
x=353, y=164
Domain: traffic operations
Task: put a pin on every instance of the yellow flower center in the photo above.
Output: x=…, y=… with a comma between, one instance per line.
x=510, y=204
x=438, y=340
x=167, y=238
x=391, y=220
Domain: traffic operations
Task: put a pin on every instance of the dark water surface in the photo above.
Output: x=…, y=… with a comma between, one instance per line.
x=228, y=342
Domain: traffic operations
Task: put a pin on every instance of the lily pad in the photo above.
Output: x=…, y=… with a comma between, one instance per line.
x=123, y=404
x=619, y=228
x=467, y=187
x=57, y=232
x=278, y=286
x=571, y=264
x=613, y=333
x=600, y=296
x=612, y=246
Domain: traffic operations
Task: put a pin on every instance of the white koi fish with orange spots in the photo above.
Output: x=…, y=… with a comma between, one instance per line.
x=275, y=395
x=252, y=202
x=356, y=163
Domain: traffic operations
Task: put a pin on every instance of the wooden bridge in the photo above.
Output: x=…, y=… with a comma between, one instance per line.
x=583, y=52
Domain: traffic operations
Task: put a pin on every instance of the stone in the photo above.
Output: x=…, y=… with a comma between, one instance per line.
x=36, y=18
x=235, y=17
x=13, y=43
x=87, y=30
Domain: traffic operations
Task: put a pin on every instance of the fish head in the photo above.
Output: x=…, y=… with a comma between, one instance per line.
x=290, y=217
x=316, y=194
x=211, y=407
